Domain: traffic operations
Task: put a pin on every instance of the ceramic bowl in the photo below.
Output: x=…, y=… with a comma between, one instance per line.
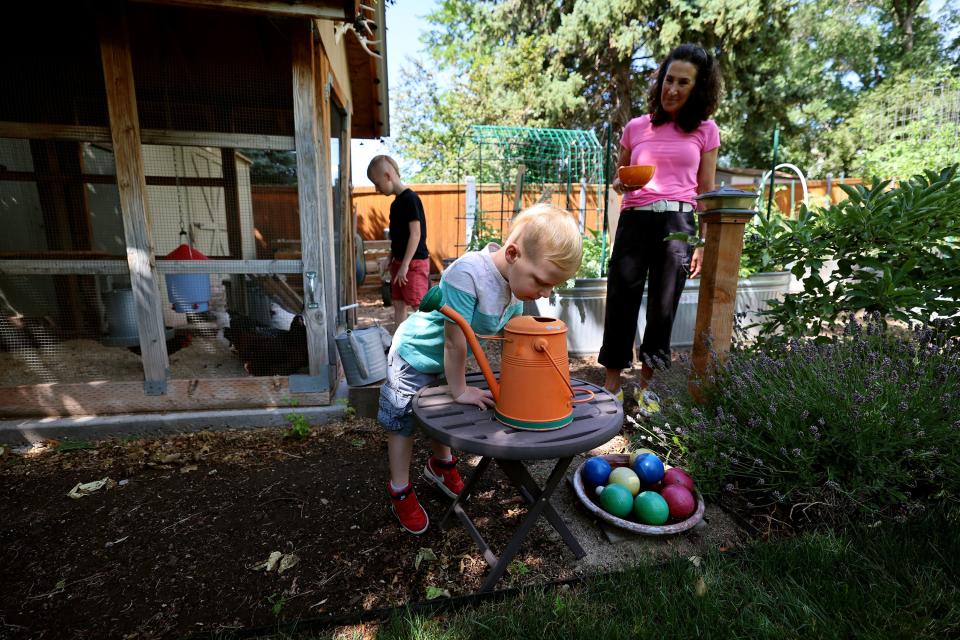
x=586, y=496
x=636, y=175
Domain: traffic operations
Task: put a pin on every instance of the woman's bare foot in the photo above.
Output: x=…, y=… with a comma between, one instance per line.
x=613, y=381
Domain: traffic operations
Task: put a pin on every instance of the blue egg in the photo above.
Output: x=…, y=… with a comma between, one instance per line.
x=596, y=470
x=648, y=468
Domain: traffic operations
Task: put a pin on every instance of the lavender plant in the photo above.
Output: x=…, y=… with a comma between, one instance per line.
x=864, y=422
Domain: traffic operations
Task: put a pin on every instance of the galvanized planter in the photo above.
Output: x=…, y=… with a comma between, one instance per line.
x=582, y=309
x=753, y=296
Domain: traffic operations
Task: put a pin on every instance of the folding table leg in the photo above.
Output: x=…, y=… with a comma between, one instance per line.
x=467, y=488
x=519, y=475
x=533, y=514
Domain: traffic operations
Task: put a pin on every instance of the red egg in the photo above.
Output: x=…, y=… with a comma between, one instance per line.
x=676, y=475
x=679, y=500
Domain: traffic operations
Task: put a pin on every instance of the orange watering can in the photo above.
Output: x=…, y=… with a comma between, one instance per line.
x=534, y=391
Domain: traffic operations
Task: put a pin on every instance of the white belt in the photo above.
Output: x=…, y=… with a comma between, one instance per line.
x=661, y=206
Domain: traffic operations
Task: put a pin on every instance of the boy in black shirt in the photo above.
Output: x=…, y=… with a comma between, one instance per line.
x=409, y=260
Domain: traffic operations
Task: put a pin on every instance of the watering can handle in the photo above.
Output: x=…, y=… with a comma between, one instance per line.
x=359, y=353
x=541, y=345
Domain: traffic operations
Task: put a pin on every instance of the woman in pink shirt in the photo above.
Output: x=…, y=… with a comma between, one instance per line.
x=678, y=138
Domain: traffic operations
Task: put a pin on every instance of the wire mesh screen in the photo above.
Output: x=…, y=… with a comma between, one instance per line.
x=214, y=99
x=898, y=139
x=505, y=169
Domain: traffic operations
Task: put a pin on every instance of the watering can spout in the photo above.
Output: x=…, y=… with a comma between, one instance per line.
x=433, y=301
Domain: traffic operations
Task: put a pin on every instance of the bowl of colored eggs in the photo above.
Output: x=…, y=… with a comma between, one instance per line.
x=639, y=493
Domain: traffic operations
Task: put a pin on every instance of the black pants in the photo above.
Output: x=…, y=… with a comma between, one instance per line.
x=639, y=253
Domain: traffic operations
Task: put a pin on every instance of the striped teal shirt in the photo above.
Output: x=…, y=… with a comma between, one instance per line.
x=475, y=289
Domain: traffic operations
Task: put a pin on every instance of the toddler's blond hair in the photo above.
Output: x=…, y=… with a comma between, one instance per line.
x=546, y=232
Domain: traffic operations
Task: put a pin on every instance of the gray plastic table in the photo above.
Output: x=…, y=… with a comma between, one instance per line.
x=471, y=430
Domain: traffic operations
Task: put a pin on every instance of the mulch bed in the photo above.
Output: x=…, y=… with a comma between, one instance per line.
x=169, y=551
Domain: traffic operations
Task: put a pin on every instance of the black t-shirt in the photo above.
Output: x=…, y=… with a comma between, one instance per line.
x=406, y=208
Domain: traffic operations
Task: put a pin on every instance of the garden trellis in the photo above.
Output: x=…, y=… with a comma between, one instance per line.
x=504, y=169
x=899, y=137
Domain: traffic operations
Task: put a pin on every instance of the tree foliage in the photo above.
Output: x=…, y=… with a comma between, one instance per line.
x=802, y=64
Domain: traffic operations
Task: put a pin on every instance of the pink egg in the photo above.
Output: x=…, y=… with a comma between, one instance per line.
x=676, y=475
x=679, y=500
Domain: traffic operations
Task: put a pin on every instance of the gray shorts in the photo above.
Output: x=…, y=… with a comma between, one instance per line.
x=396, y=395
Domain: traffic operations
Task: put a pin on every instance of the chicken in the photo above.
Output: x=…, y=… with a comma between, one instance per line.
x=180, y=340
x=267, y=351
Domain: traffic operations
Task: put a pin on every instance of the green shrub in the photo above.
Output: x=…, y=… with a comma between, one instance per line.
x=863, y=422
x=897, y=252
x=760, y=242
x=596, y=258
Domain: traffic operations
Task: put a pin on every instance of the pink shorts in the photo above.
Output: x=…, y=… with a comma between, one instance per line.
x=418, y=281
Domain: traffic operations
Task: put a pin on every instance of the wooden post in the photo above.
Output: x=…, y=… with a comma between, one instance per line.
x=718, y=292
x=231, y=202
x=315, y=247
x=128, y=155
x=324, y=86
x=349, y=219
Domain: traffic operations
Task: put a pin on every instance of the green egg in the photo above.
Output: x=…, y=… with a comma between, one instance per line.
x=650, y=508
x=616, y=499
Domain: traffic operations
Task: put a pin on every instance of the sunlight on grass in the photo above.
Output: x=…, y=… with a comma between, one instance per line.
x=874, y=583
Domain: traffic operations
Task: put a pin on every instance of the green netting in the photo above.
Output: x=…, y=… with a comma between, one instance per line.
x=513, y=167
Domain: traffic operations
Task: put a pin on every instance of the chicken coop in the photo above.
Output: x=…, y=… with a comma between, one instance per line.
x=139, y=144
x=505, y=169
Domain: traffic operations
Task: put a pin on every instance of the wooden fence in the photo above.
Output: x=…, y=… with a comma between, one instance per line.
x=276, y=215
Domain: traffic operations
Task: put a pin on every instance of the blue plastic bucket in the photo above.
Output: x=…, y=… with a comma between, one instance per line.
x=189, y=292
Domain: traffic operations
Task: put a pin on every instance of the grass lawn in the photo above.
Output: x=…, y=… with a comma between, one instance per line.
x=887, y=581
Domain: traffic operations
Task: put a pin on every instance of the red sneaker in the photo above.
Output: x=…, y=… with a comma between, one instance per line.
x=444, y=474
x=407, y=508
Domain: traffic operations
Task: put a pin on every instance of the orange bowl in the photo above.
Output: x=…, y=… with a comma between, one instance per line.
x=636, y=175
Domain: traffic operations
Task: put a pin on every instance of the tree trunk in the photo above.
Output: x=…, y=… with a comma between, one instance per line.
x=906, y=11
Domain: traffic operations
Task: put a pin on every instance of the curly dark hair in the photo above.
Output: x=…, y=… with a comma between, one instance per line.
x=704, y=98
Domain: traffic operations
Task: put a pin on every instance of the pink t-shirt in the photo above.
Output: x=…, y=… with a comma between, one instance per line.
x=676, y=155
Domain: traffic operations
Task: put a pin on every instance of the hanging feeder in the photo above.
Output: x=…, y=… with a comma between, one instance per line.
x=188, y=292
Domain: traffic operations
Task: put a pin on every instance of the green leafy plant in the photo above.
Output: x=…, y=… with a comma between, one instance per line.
x=278, y=601
x=299, y=426
x=593, y=264
x=482, y=233
x=73, y=445
x=437, y=592
x=897, y=252
x=762, y=237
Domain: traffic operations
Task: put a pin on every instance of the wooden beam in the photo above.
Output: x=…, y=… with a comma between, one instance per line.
x=311, y=176
x=132, y=186
x=106, y=267
x=103, y=397
x=718, y=293
x=231, y=202
x=42, y=131
x=97, y=178
x=324, y=88
x=349, y=219
x=318, y=9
